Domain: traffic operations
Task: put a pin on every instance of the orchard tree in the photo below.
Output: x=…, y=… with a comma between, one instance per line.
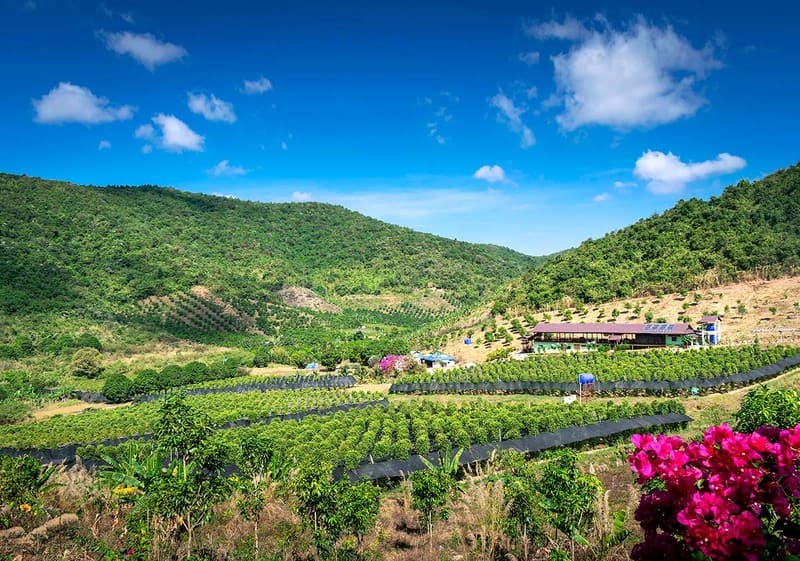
x=87, y=362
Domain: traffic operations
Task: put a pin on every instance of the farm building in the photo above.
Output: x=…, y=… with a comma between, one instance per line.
x=710, y=330
x=584, y=336
x=438, y=360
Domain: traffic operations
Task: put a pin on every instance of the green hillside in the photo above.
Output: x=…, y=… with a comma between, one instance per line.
x=102, y=252
x=753, y=227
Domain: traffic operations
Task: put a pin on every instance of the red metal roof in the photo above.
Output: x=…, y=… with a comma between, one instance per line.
x=709, y=319
x=616, y=328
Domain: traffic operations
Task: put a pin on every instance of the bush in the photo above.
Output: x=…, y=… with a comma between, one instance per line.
x=499, y=354
x=118, y=388
x=147, y=381
x=88, y=340
x=12, y=411
x=777, y=407
x=23, y=345
x=171, y=376
x=261, y=358
x=86, y=362
x=196, y=372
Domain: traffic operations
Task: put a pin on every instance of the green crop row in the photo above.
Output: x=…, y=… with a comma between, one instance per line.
x=656, y=364
x=396, y=432
x=98, y=425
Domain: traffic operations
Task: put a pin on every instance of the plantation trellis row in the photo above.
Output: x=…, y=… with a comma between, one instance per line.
x=394, y=469
x=67, y=453
x=377, y=434
x=99, y=425
x=510, y=377
x=274, y=383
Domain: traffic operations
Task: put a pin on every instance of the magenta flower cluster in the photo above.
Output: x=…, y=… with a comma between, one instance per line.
x=393, y=364
x=730, y=496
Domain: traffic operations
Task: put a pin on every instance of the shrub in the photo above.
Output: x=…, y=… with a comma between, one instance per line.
x=12, y=411
x=196, y=372
x=777, y=407
x=88, y=340
x=261, y=358
x=499, y=354
x=22, y=479
x=118, y=388
x=86, y=362
x=147, y=381
x=23, y=345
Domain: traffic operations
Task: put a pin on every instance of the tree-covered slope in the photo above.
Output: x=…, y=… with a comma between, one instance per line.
x=65, y=247
x=753, y=227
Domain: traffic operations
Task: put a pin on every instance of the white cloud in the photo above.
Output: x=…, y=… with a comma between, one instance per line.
x=439, y=109
x=212, y=108
x=301, y=196
x=571, y=29
x=147, y=149
x=225, y=169
x=492, y=174
x=532, y=92
x=531, y=57
x=174, y=135
x=640, y=76
x=667, y=174
x=104, y=145
x=253, y=87
x=512, y=115
x=146, y=132
x=144, y=47
x=433, y=132
x=284, y=146
x=601, y=198
x=68, y=103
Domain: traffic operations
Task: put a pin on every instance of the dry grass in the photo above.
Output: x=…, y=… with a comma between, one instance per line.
x=757, y=297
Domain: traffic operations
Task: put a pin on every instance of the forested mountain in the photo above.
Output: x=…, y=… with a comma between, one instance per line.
x=64, y=246
x=752, y=227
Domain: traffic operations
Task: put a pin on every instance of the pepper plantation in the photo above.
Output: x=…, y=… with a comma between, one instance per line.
x=240, y=465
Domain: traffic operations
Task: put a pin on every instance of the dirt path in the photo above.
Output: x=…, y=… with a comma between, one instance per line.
x=379, y=388
x=70, y=407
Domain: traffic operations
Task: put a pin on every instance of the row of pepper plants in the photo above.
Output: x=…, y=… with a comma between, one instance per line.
x=652, y=365
x=403, y=429
x=97, y=425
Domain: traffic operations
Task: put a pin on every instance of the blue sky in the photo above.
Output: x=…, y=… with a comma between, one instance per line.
x=527, y=124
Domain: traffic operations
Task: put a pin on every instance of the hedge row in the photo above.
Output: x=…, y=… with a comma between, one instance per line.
x=394, y=469
x=89, y=451
x=622, y=387
x=274, y=383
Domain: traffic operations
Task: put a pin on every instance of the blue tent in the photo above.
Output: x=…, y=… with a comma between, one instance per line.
x=312, y=366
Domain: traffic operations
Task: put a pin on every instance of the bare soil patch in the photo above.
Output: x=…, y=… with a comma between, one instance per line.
x=69, y=407
x=299, y=297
